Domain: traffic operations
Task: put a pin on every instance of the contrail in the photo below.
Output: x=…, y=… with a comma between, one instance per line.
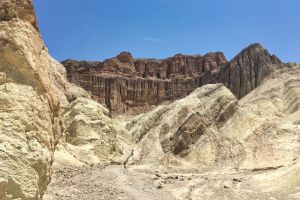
x=153, y=39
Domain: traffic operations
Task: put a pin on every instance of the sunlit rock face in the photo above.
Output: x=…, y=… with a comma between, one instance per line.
x=182, y=133
x=18, y=9
x=91, y=136
x=127, y=84
x=27, y=140
x=34, y=92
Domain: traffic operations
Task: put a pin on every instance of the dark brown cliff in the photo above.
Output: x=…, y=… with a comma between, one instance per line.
x=247, y=70
x=124, y=83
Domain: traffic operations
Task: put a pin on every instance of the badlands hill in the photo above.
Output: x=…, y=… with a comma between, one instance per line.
x=214, y=129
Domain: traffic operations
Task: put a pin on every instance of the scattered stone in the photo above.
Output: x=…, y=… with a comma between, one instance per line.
x=159, y=187
x=237, y=179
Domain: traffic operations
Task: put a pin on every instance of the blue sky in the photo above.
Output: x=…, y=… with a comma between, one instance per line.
x=100, y=29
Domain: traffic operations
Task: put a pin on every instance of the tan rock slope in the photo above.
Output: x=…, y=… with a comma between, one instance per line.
x=18, y=9
x=34, y=92
x=211, y=131
x=91, y=136
x=259, y=130
x=186, y=131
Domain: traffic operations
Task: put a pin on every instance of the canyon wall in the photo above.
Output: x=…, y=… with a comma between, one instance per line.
x=124, y=83
x=34, y=91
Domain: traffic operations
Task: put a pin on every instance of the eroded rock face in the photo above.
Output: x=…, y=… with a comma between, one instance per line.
x=34, y=92
x=247, y=70
x=124, y=84
x=209, y=129
x=91, y=136
x=267, y=122
x=18, y=9
x=27, y=141
x=183, y=131
x=207, y=145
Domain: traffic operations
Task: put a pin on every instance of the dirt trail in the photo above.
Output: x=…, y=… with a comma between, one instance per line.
x=111, y=182
x=117, y=182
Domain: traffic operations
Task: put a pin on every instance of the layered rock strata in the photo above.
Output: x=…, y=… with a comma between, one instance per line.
x=184, y=130
x=210, y=128
x=124, y=83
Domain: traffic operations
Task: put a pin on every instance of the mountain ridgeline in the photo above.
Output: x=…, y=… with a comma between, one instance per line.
x=126, y=84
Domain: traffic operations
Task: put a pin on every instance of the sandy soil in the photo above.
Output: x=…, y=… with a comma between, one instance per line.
x=103, y=182
x=138, y=183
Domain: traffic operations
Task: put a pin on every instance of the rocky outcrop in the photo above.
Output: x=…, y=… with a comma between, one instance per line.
x=18, y=9
x=34, y=92
x=123, y=83
x=43, y=116
x=267, y=121
x=91, y=136
x=209, y=128
x=247, y=70
x=207, y=145
x=27, y=139
x=182, y=131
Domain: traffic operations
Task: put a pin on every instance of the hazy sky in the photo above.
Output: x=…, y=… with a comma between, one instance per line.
x=100, y=29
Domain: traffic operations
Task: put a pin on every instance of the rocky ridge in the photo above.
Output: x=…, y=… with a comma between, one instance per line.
x=125, y=84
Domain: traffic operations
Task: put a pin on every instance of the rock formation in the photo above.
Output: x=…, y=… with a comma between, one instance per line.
x=216, y=142
x=34, y=92
x=18, y=9
x=208, y=145
x=211, y=128
x=123, y=83
x=91, y=136
x=247, y=70
x=182, y=129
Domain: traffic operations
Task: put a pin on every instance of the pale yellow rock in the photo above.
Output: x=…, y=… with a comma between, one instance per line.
x=259, y=140
x=267, y=122
x=184, y=133
x=26, y=141
x=3, y=78
x=91, y=135
x=34, y=92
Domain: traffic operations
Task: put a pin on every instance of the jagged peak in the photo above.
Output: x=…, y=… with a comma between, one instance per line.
x=257, y=49
x=125, y=57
